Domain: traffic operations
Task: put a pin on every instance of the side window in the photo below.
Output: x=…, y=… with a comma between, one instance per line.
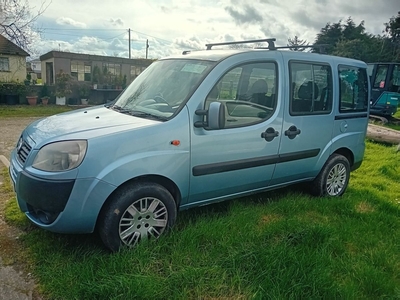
x=380, y=76
x=247, y=92
x=394, y=84
x=310, y=89
x=353, y=89
x=228, y=85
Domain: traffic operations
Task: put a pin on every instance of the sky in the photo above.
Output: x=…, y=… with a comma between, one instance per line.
x=171, y=26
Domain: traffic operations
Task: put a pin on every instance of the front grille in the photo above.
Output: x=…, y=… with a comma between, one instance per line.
x=23, y=151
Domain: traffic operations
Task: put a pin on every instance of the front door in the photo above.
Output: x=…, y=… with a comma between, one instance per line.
x=240, y=157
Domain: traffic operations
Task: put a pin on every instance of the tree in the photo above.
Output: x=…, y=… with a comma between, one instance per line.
x=350, y=40
x=17, y=21
x=331, y=34
x=392, y=30
x=297, y=43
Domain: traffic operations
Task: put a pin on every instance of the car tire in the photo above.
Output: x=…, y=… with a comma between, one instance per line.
x=134, y=213
x=333, y=179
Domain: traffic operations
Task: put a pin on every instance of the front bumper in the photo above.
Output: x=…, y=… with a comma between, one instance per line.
x=65, y=205
x=46, y=199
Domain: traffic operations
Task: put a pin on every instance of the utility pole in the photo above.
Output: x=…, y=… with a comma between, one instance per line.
x=129, y=38
x=147, y=47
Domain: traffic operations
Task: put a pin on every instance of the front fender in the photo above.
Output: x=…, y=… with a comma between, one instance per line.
x=174, y=165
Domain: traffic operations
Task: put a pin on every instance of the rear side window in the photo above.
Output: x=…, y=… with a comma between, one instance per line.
x=353, y=89
x=310, y=89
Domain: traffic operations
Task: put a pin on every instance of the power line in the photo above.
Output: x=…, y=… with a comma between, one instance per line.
x=81, y=29
x=95, y=29
x=105, y=39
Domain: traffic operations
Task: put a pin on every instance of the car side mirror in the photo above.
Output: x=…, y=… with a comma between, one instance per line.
x=215, y=116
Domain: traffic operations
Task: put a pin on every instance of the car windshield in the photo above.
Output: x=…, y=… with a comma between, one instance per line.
x=161, y=89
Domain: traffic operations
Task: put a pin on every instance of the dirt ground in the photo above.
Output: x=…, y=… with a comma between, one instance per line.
x=15, y=281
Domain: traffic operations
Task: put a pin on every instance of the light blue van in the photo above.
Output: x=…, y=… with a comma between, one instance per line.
x=194, y=129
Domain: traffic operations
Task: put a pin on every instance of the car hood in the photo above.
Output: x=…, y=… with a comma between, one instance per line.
x=84, y=123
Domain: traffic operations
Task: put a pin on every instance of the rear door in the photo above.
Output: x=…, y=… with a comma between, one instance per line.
x=307, y=123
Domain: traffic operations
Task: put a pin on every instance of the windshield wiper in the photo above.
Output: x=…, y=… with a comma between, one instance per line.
x=120, y=109
x=137, y=113
x=142, y=114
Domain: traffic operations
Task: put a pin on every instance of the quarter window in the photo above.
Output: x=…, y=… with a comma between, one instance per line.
x=310, y=89
x=247, y=93
x=353, y=89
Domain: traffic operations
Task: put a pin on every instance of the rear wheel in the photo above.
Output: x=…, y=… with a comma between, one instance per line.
x=136, y=213
x=333, y=178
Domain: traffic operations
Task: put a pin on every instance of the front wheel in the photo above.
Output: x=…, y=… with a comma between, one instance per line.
x=136, y=213
x=333, y=178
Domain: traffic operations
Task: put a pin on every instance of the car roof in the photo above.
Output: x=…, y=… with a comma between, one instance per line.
x=384, y=63
x=220, y=54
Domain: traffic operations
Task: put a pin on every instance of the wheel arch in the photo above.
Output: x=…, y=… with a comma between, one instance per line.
x=346, y=152
x=161, y=180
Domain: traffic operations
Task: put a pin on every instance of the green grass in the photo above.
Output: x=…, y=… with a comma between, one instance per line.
x=394, y=126
x=7, y=111
x=278, y=245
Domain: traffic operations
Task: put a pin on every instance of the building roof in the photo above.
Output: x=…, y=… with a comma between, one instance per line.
x=92, y=57
x=8, y=47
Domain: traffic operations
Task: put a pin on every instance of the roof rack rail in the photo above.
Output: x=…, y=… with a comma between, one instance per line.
x=271, y=44
x=320, y=46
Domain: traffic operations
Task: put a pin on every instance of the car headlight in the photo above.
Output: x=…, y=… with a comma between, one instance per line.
x=60, y=156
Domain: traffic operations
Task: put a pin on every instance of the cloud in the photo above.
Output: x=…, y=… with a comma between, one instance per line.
x=308, y=19
x=117, y=44
x=69, y=21
x=116, y=22
x=188, y=24
x=249, y=15
x=165, y=9
x=192, y=43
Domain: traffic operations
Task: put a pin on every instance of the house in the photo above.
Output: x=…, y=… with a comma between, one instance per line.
x=83, y=66
x=105, y=74
x=35, y=68
x=12, y=61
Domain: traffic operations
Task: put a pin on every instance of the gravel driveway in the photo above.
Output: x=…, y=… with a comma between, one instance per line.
x=15, y=283
x=10, y=130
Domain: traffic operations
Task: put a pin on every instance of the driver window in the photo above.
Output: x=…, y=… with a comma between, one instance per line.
x=248, y=93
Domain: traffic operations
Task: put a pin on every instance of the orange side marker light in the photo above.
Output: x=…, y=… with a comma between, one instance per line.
x=175, y=142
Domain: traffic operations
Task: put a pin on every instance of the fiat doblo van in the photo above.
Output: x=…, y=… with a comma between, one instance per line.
x=194, y=129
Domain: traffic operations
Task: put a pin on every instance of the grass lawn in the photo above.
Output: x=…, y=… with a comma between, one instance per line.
x=282, y=244
x=396, y=115
x=278, y=245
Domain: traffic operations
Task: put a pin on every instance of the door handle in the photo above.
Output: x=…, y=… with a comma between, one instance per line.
x=292, y=132
x=269, y=134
